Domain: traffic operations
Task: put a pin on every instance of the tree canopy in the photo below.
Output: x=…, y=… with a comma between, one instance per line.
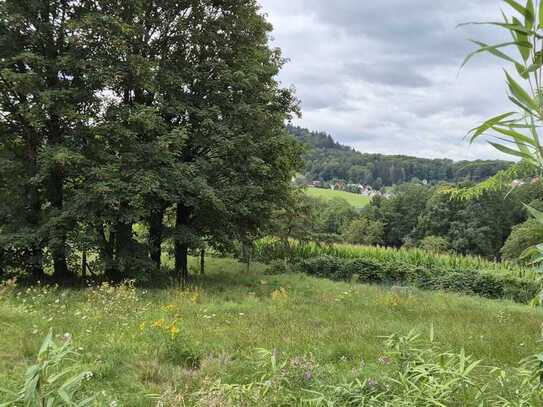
x=158, y=113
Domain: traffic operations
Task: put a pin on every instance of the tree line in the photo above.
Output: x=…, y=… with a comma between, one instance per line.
x=327, y=160
x=494, y=225
x=163, y=115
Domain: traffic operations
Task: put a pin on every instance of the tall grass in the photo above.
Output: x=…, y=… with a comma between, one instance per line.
x=270, y=248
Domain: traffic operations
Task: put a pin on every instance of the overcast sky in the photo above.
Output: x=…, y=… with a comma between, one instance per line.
x=381, y=75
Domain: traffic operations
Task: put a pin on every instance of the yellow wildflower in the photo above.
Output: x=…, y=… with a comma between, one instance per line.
x=142, y=326
x=280, y=294
x=173, y=330
x=159, y=323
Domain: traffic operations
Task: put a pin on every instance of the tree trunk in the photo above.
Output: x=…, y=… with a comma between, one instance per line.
x=180, y=242
x=123, y=247
x=55, y=192
x=156, y=229
x=34, y=256
x=106, y=252
x=84, y=264
x=202, y=261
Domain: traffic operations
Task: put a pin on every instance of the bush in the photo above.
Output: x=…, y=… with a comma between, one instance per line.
x=522, y=237
x=364, y=231
x=486, y=285
x=434, y=244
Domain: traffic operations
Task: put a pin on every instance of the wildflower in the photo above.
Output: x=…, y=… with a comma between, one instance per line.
x=385, y=360
x=280, y=294
x=169, y=307
x=173, y=330
x=142, y=326
x=159, y=323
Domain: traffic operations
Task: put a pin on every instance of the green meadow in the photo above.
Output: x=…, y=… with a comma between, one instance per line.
x=176, y=347
x=356, y=200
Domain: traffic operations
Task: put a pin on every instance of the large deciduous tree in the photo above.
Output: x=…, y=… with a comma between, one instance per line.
x=116, y=113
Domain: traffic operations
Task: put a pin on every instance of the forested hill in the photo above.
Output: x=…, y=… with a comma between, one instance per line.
x=327, y=160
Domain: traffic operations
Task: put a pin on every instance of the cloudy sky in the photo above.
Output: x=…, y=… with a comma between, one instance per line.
x=381, y=75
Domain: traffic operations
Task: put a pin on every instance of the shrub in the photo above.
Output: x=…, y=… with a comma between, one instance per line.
x=364, y=231
x=397, y=273
x=522, y=237
x=434, y=244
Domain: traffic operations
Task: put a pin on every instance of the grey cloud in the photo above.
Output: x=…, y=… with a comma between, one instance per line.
x=382, y=76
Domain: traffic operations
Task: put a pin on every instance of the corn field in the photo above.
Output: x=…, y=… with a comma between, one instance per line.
x=270, y=248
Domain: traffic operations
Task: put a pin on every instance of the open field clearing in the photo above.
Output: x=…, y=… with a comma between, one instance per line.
x=356, y=200
x=146, y=345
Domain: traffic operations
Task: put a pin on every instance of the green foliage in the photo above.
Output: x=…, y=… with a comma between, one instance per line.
x=116, y=114
x=399, y=214
x=434, y=244
x=268, y=249
x=331, y=329
x=516, y=133
x=327, y=160
x=364, y=231
x=418, y=373
x=470, y=282
x=55, y=380
x=523, y=236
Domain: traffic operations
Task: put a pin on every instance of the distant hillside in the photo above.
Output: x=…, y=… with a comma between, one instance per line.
x=327, y=160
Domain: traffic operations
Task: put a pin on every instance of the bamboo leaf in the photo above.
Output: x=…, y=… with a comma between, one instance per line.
x=530, y=14
x=488, y=125
x=508, y=26
x=538, y=216
x=520, y=94
x=522, y=38
x=523, y=107
x=541, y=14
x=494, y=50
x=510, y=151
x=522, y=10
x=518, y=137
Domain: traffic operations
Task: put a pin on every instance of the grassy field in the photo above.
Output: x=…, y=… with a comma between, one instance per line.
x=356, y=200
x=226, y=319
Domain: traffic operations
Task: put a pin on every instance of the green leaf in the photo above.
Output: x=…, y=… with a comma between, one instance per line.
x=522, y=71
x=492, y=49
x=541, y=14
x=537, y=215
x=520, y=94
x=522, y=39
x=518, y=137
x=523, y=107
x=530, y=14
x=511, y=151
x=478, y=131
x=522, y=10
x=508, y=26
